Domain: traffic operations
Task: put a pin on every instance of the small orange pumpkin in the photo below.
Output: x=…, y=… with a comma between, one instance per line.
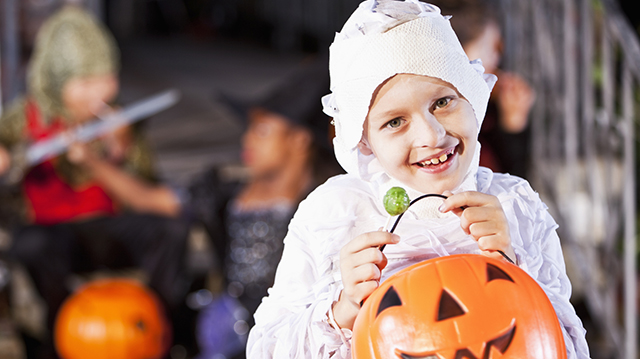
x=458, y=307
x=112, y=318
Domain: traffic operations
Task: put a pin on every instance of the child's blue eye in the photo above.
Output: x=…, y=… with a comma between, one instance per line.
x=395, y=123
x=442, y=102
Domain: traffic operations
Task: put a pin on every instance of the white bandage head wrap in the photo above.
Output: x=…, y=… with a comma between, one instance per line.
x=384, y=38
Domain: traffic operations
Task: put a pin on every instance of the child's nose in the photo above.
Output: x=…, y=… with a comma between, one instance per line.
x=428, y=131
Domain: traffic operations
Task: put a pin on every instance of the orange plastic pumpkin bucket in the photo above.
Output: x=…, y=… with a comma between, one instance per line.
x=112, y=318
x=460, y=306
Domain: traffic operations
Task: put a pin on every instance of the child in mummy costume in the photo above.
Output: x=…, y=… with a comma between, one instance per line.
x=407, y=105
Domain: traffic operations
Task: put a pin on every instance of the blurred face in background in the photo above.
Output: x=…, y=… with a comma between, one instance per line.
x=487, y=46
x=84, y=97
x=269, y=143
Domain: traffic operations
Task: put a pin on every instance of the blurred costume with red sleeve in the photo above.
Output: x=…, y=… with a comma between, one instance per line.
x=99, y=205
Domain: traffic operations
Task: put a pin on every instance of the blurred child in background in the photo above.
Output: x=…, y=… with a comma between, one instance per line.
x=97, y=206
x=286, y=151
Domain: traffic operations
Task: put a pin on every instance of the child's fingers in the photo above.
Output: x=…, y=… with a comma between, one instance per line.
x=361, y=262
x=476, y=215
x=368, y=240
x=480, y=214
x=367, y=255
x=493, y=243
x=77, y=153
x=5, y=160
x=482, y=217
x=467, y=199
x=479, y=230
x=360, y=281
x=493, y=254
x=365, y=273
x=507, y=255
x=363, y=291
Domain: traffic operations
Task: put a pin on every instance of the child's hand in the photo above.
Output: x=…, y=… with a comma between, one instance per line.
x=361, y=263
x=482, y=217
x=79, y=153
x=5, y=160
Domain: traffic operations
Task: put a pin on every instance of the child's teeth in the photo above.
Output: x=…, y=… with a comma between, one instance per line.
x=435, y=161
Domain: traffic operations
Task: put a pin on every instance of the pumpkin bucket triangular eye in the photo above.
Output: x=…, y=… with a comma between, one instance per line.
x=390, y=299
x=494, y=273
x=449, y=307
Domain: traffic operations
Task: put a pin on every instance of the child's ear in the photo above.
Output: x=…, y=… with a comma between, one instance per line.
x=364, y=148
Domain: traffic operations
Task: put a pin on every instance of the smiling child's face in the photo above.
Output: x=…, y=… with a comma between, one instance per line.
x=422, y=131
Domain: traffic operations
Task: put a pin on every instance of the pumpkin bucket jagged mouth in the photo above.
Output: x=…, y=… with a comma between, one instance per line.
x=500, y=343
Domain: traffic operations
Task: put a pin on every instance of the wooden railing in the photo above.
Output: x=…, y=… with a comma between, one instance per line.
x=584, y=61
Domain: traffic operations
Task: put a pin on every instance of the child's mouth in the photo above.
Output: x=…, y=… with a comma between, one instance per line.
x=437, y=160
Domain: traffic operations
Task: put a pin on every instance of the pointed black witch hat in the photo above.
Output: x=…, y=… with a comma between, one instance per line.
x=296, y=97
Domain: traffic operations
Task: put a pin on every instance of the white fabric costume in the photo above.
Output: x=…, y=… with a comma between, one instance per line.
x=381, y=39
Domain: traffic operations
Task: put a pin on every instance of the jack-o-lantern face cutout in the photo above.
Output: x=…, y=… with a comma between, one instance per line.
x=458, y=307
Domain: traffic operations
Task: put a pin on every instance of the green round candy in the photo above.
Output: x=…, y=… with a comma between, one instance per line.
x=396, y=201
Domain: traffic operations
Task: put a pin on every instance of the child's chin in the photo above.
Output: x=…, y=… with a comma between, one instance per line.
x=446, y=184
